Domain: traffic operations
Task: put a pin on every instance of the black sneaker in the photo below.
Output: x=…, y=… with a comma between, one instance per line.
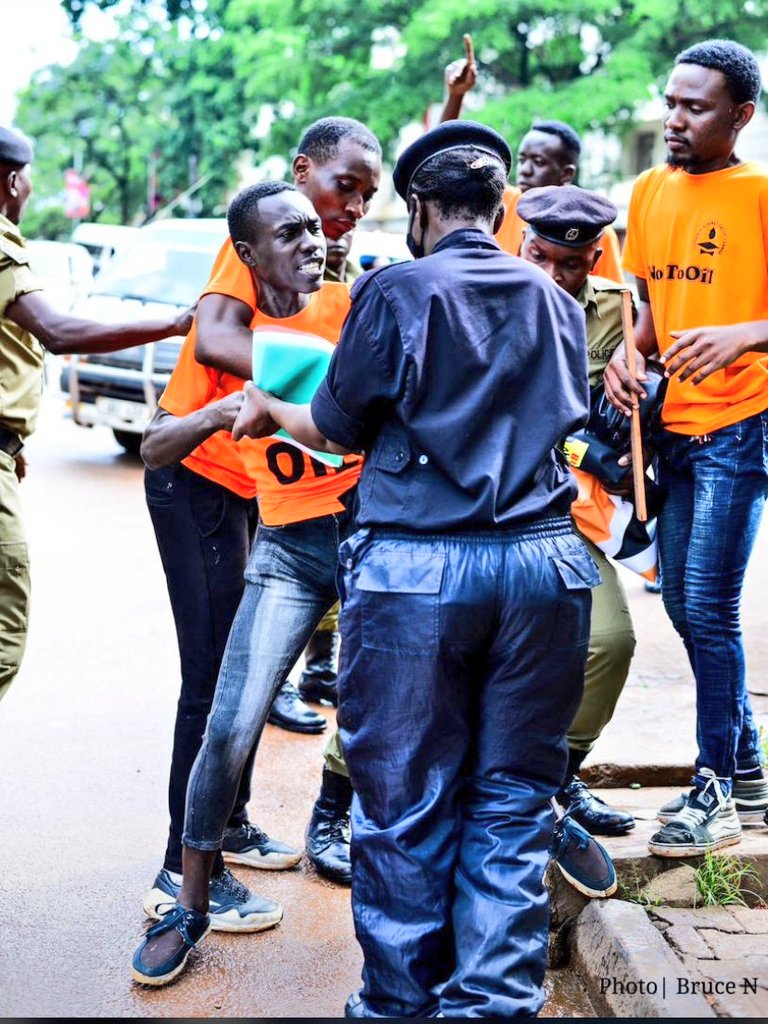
x=251, y=846
x=289, y=712
x=233, y=907
x=584, y=862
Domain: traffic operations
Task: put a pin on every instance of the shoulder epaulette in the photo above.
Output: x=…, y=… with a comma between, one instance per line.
x=605, y=284
x=13, y=250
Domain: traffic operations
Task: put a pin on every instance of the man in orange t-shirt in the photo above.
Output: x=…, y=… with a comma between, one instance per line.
x=697, y=244
x=548, y=155
x=290, y=577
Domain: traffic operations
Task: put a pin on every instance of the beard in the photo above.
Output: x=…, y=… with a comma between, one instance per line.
x=685, y=163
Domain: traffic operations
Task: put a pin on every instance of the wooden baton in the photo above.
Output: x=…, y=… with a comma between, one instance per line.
x=636, y=437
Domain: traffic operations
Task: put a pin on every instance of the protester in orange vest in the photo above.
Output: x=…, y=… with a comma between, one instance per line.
x=303, y=515
x=204, y=525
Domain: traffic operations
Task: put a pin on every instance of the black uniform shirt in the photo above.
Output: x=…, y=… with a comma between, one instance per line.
x=458, y=374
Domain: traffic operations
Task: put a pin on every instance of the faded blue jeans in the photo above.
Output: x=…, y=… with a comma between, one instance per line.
x=716, y=487
x=289, y=586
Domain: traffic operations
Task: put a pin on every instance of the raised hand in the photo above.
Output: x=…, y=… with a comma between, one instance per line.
x=461, y=75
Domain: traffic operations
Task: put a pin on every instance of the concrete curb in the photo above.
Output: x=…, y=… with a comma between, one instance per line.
x=618, y=776
x=627, y=966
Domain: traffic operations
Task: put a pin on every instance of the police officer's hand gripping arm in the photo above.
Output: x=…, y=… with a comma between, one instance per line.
x=63, y=335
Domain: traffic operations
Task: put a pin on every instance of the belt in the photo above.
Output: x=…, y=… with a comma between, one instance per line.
x=10, y=443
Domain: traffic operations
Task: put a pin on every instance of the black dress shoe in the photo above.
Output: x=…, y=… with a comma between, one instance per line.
x=318, y=680
x=290, y=712
x=591, y=812
x=327, y=840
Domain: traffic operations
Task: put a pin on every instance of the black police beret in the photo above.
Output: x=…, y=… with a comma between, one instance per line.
x=448, y=135
x=566, y=214
x=14, y=148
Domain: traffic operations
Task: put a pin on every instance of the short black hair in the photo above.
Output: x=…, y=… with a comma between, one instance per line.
x=568, y=136
x=320, y=142
x=244, y=206
x=464, y=180
x=735, y=62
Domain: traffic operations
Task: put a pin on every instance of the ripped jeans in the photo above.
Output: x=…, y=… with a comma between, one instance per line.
x=715, y=491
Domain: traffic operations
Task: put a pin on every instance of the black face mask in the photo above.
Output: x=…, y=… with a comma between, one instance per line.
x=416, y=249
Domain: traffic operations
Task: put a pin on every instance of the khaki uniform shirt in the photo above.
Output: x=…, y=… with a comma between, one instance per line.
x=601, y=301
x=21, y=354
x=352, y=272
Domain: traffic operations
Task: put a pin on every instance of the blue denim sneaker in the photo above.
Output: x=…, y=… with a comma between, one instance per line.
x=584, y=862
x=191, y=926
x=233, y=907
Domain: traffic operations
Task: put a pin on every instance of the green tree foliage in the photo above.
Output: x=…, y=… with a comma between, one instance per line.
x=154, y=95
x=199, y=83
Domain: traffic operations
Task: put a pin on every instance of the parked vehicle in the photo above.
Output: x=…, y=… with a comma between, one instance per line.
x=63, y=269
x=167, y=264
x=103, y=240
x=376, y=248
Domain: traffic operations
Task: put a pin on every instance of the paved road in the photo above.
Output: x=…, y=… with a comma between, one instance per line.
x=84, y=749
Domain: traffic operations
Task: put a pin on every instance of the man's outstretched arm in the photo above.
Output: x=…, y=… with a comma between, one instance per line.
x=64, y=335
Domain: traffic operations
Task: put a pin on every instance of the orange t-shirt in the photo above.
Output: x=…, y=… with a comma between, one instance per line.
x=510, y=238
x=290, y=485
x=510, y=234
x=700, y=241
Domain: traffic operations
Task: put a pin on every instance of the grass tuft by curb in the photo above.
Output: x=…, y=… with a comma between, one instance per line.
x=722, y=881
x=631, y=889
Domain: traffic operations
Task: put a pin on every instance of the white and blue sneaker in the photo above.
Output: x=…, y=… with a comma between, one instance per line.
x=707, y=821
x=750, y=798
x=233, y=907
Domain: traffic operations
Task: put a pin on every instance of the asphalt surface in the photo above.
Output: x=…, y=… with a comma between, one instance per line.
x=84, y=753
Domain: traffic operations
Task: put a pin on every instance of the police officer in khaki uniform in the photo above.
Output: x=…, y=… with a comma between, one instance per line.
x=564, y=233
x=29, y=326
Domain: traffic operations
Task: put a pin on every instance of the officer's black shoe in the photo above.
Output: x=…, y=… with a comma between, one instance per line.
x=327, y=841
x=290, y=712
x=318, y=680
x=591, y=812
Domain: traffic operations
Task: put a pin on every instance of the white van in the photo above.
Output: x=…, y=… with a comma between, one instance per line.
x=168, y=263
x=103, y=240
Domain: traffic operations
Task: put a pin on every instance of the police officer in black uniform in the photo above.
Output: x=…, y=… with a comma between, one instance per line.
x=465, y=592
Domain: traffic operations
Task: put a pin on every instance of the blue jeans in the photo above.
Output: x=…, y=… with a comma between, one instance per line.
x=290, y=583
x=462, y=665
x=715, y=491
